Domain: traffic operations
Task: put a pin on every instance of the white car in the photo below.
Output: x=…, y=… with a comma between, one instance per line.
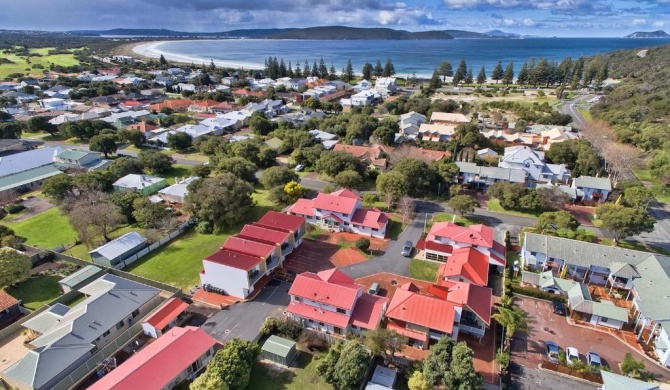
x=299, y=167
x=571, y=355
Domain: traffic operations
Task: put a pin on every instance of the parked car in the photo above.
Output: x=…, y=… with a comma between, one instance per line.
x=571, y=355
x=593, y=359
x=407, y=249
x=285, y=275
x=374, y=288
x=299, y=167
x=559, y=308
x=552, y=351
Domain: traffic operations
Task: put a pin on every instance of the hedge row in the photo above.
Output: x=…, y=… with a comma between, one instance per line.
x=535, y=293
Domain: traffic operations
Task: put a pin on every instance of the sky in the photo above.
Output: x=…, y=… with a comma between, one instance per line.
x=563, y=18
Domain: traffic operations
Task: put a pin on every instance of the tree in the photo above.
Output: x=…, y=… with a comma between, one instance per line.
x=133, y=137
x=201, y=170
x=637, y=196
x=123, y=166
x=393, y=185
x=223, y=200
x=150, y=215
x=179, y=141
x=104, y=143
x=348, y=72
x=363, y=244
x=556, y=220
x=369, y=199
x=512, y=319
x=384, y=135
x=421, y=177
x=462, y=374
x=461, y=72
x=367, y=71
x=497, y=72
x=481, y=76
x=469, y=79
x=293, y=191
x=208, y=380
x=155, y=162
x=11, y=130
x=233, y=363
x=623, y=221
x=278, y=176
x=552, y=198
x=436, y=365
x=508, y=76
x=406, y=207
x=331, y=163
x=349, y=179
x=41, y=123
x=351, y=366
x=445, y=70
x=418, y=382
x=326, y=366
x=385, y=343
x=91, y=214
x=633, y=368
x=125, y=200
x=435, y=81
x=14, y=267
x=241, y=168
x=378, y=69
x=58, y=187
x=463, y=204
x=389, y=69
x=259, y=124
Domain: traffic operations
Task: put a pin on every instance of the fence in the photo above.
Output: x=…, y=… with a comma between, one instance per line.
x=166, y=239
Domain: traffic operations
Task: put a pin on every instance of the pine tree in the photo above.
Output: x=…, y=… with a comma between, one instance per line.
x=162, y=60
x=508, y=77
x=481, y=77
x=323, y=69
x=307, y=71
x=298, y=71
x=315, y=69
x=282, y=72
x=446, y=70
x=333, y=72
x=290, y=70
x=367, y=71
x=469, y=79
x=435, y=81
x=497, y=72
x=389, y=69
x=378, y=69
x=523, y=74
x=461, y=72
x=348, y=72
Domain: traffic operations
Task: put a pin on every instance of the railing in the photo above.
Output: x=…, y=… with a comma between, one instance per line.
x=272, y=264
x=254, y=277
x=287, y=250
x=471, y=329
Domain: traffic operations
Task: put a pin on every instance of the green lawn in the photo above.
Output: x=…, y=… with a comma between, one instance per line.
x=20, y=65
x=585, y=113
x=178, y=171
x=626, y=244
x=495, y=207
x=304, y=376
x=45, y=230
x=80, y=251
x=36, y=291
x=661, y=192
x=396, y=227
x=448, y=217
x=424, y=270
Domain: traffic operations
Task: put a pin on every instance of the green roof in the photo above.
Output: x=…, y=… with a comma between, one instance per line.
x=278, y=346
x=27, y=177
x=608, y=309
x=80, y=276
x=612, y=381
x=72, y=154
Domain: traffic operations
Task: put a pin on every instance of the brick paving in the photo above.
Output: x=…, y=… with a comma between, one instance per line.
x=214, y=299
x=581, y=213
x=320, y=255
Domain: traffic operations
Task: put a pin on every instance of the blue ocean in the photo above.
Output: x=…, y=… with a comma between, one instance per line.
x=409, y=57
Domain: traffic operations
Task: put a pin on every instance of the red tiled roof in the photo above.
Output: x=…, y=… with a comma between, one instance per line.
x=371, y=218
x=142, y=127
x=472, y=235
x=422, y=310
x=336, y=276
x=469, y=263
x=281, y=220
x=477, y=298
x=234, y=259
x=160, y=362
x=434, y=246
x=207, y=103
x=6, y=300
x=346, y=193
x=314, y=287
x=255, y=232
x=368, y=311
x=167, y=312
x=248, y=247
x=173, y=104
x=303, y=207
x=313, y=313
x=334, y=203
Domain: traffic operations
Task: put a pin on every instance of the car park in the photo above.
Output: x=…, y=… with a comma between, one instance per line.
x=407, y=249
x=593, y=359
x=559, y=308
x=571, y=355
x=552, y=351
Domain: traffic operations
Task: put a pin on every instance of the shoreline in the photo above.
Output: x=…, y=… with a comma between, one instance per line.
x=152, y=50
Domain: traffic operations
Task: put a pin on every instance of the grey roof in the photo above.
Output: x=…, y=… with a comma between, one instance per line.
x=71, y=338
x=30, y=159
x=119, y=246
x=28, y=176
x=467, y=167
x=384, y=376
x=600, y=183
x=74, y=154
x=506, y=174
x=135, y=181
x=623, y=270
x=653, y=287
x=178, y=189
x=571, y=192
x=278, y=346
x=79, y=276
x=610, y=310
x=612, y=381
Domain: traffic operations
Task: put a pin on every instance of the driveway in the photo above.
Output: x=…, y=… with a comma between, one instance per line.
x=543, y=325
x=243, y=320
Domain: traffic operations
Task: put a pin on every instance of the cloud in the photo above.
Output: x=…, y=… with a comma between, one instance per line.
x=559, y=7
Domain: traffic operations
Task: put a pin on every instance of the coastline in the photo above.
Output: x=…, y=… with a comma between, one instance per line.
x=151, y=50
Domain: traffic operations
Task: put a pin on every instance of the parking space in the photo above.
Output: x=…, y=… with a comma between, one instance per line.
x=316, y=256
x=243, y=320
x=544, y=325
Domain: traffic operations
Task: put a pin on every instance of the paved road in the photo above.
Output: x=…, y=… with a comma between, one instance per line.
x=243, y=320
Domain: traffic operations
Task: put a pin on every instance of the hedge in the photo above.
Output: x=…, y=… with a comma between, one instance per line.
x=14, y=208
x=535, y=293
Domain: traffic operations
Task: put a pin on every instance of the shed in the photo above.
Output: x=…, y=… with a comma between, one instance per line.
x=164, y=318
x=382, y=378
x=278, y=350
x=70, y=282
x=117, y=250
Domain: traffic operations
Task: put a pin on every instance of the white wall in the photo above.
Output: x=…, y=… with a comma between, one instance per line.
x=232, y=280
x=664, y=355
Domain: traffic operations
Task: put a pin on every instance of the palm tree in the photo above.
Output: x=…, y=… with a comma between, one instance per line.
x=512, y=319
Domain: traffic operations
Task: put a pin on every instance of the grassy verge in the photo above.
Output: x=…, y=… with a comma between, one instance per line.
x=303, y=376
x=448, y=217
x=661, y=193
x=626, y=244
x=424, y=270
x=45, y=230
x=585, y=113
x=178, y=171
x=396, y=227
x=495, y=207
x=36, y=291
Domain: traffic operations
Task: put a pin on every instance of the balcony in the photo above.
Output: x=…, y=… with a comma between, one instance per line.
x=473, y=330
x=254, y=276
x=272, y=263
x=286, y=249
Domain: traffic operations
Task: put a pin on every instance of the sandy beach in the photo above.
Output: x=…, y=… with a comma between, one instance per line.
x=152, y=50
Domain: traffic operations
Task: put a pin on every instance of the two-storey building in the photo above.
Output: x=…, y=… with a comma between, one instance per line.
x=446, y=237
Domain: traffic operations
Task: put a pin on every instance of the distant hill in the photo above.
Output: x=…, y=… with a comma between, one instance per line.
x=648, y=34
x=502, y=34
x=461, y=34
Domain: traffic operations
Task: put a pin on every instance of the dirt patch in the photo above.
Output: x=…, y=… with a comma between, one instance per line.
x=34, y=206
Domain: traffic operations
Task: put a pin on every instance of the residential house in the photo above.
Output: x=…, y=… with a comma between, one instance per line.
x=644, y=276
x=331, y=302
x=177, y=105
x=10, y=309
x=362, y=85
x=446, y=239
x=82, y=159
x=119, y=249
x=143, y=184
x=361, y=99
x=256, y=251
x=109, y=101
x=386, y=86
x=224, y=107
x=328, y=140
x=165, y=317
x=662, y=344
x=436, y=132
x=16, y=145
x=612, y=381
x=341, y=211
x=465, y=265
x=199, y=130
x=177, y=192
x=221, y=124
x=64, y=118
x=373, y=156
x=145, y=128
x=203, y=106
x=603, y=313
x=591, y=188
x=532, y=162
x=55, y=104
x=27, y=170
x=383, y=378
x=65, y=338
x=484, y=177
x=410, y=122
x=172, y=359
x=449, y=118
x=487, y=154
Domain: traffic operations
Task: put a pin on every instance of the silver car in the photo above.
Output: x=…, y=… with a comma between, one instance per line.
x=407, y=249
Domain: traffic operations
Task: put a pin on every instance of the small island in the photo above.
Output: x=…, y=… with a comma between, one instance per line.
x=648, y=34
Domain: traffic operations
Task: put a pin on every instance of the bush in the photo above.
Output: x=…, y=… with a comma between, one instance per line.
x=283, y=327
x=363, y=244
x=312, y=341
x=14, y=208
x=535, y=293
x=204, y=227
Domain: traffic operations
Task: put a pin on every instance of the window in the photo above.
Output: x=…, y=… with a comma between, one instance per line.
x=209, y=352
x=603, y=319
x=311, y=321
x=136, y=313
x=346, y=224
x=341, y=311
x=375, y=229
x=106, y=333
x=119, y=325
x=322, y=324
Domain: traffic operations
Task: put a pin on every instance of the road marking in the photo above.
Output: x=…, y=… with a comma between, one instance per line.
x=272, y=293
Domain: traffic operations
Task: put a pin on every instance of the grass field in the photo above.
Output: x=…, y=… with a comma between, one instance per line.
x=662, y=193
x=448, y=217
x=80, y=251
x=304, y=376
x=495, y=207
x=396, y=227
x=36, y=291
x=178, y=171
x=585, y=113
x=45, y=230
x=20, y=65
x=424, y=270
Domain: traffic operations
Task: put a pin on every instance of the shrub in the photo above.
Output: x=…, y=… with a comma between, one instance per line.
x=363, y=244
x=312, y=341
x=535, y=293
x=14, y=208
x=204, y=227
x=283, y=327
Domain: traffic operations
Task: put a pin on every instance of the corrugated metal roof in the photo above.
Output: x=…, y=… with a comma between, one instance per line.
x=601, y=183
x=612, y=381
x=28, y=176
x=119, y=246
x=79, y=276
x=19, y=162
x=278, y=346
